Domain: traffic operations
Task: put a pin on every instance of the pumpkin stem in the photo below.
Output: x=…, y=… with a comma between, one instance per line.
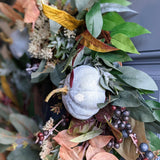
x=58, y=90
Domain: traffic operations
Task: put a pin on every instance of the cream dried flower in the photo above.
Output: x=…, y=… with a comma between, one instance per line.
x=49, y=124
x=69, y=34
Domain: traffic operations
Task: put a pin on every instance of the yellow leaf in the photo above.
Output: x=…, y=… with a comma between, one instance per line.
x=7, y=90
x=61, y=17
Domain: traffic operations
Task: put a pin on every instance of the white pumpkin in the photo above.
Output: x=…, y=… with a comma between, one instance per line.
x=82, y=99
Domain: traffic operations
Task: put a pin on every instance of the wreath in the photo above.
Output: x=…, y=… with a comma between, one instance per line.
x=79, y=47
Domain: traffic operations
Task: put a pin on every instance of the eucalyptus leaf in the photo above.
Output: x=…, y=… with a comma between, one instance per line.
x=141, y=113
x=130, y=29
x=121, y=2
x=54, y=26
x=7, y=137
x=39, y=75
x=3, y=147
x=21, y=153
x=116, y=56
x=89, y=135
x=56, y=75
x=110, y=20
x=137, y=79
x=81, y=4
x=156, y=115
x=4, y=111
x=94, y=20
x=114, y=7
x=123, y=42
x=154, y=141
x=128, y=98
x=23, y=124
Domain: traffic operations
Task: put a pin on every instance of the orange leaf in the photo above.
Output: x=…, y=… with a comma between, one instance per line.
x=61, y=17
x=9, y=12
x=63, y=139
x=94, y=44
x=92, y=151
x=7, y=90
x=100, y=141
x=104, y=156
x=29, y=7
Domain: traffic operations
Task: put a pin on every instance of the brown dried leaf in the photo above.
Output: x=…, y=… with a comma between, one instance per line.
x=92, y=151
x=104, y=156
x=94, y=44
x=29, y=7
x=63, y=139
x=100, y=141
x=9, y=12
x=127, y=148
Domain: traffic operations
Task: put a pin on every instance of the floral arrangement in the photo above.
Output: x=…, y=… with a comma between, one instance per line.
x=79, y=46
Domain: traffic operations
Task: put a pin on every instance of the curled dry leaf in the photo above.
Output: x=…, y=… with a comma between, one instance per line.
x=127, y=148
x=9, y=12
x=94, y=44
x=29, y=7
x=92, y=151
x=63, y=139
x=104, y=156
x=100, y=141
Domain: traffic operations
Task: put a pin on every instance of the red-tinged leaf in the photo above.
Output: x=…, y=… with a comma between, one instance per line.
x=115, y=131
x=94, y=44
x=63, y=139
x=9, y=12
x=104, y=156
x=77, y=153
x=127, y=149
x=100, y=141
x=29, y=7
x=77, y=127
x=92, y=151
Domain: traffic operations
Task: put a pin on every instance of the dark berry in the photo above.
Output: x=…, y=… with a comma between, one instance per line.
x=149, y=155
x=40, y=142
x=63, y=116
x=143, y=147
x=114, y=108
x=121, y=126
x=123, y=109
x=40, y=134
x=126, y=113
x=41, y=138
x=109, y=145
x=116, y=145
x=129, y=131
x=128, y=126
x=45, y=132
x=125, y=134
x=115, y=125
x=63, y=124
x=117, y=113
x=125, y=118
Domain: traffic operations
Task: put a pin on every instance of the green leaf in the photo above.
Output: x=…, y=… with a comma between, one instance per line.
x=110, y=20
x=137, y=79
x=114, y=7
x=128, y=98
x=116, y=56
x=154, y=141
x=153, y=126
x=7, y=137
x=94, y=20
x=121, y=2
x=23, y=124
x=4, y=111
x=141, y=113
x=39, y=75
x=21, y=153
x=89, y=135
x=153, y=104
x=156, y=115
x=56, y=75
x=130, y=29
x=123, y=42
